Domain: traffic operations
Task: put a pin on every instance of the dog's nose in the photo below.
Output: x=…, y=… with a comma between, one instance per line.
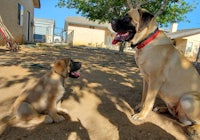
x=114, y=24
x=113, y=21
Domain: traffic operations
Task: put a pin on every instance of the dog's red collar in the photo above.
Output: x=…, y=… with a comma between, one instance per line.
x=147, y=40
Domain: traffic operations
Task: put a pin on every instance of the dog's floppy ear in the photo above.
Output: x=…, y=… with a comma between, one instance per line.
x=58, y=66
x=135, y=15
x=145, y=19
x=140, y=18
x=62, y=65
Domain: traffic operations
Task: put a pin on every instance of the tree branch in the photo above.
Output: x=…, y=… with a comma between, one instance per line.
x=138, y=4
x=162, y=8
x=129, y=4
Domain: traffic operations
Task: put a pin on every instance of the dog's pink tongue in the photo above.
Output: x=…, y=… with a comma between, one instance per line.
x=76, y=74
x=116, y=39
x=120, y=37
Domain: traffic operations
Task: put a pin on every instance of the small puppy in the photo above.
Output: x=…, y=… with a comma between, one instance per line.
x=39, y=103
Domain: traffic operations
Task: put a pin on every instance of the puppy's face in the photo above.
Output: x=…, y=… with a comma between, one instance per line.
x=133, y=22
x=74, y=67
x=67, y=68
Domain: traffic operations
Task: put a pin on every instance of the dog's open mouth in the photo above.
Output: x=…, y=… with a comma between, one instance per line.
x=122, y=36
x=124, y=28
x=74, y=74
x=74, y=67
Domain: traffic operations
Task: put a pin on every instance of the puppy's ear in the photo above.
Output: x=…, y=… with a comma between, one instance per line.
x=58, y=66
x=57, y=63
x=145, y=19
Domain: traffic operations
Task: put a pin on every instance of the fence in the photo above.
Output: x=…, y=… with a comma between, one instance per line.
x=48, y=34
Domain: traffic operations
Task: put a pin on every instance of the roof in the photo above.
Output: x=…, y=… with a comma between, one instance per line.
x=86, y=22
x=183, y=33
x=36, y=3
x=44, y=21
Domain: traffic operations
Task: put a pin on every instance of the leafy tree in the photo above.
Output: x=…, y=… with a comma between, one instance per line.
x=106, y=10
x=166, y=11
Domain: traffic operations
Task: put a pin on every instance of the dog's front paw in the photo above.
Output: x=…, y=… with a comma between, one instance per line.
x=58, y=118
x=138, y=116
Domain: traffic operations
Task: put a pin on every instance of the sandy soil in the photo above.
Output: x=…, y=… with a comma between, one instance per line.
x=100, y=102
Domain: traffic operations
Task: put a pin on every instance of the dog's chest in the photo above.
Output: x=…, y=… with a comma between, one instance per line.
x=61, y=91
x=51, y=95
x=140, y=61
x=140, y=58
x=147, y=61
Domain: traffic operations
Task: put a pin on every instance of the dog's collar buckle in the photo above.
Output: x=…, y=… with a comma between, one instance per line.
x=147, y=40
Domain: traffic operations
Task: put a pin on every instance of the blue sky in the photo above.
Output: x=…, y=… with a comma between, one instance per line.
x=49, y=11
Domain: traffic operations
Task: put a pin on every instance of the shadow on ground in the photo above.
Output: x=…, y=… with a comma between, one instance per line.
x=106, y=76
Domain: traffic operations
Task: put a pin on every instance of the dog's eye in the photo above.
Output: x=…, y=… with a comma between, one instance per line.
x=127, y=19
x=71, y=61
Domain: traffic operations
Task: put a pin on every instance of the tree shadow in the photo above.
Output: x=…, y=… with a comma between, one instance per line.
x=107, y=108
x=126, y=129
x=67, y=129
x=105, y=74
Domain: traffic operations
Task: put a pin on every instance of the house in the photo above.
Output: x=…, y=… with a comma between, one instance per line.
x=44, y=30
x=187, y=41
x=17, y=15
x=81, y=31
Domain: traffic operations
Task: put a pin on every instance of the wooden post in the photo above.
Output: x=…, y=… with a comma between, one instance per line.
x=197, y=58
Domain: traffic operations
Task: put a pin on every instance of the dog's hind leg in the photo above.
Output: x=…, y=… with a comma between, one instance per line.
x=26, y=112
x=189, y=105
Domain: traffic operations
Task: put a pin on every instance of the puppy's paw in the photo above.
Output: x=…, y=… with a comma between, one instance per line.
x=48, y=119
x=58, y=118
x=138, y=116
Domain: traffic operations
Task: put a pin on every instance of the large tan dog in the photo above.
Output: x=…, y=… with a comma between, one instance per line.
x=166, y=72
x=39, y=103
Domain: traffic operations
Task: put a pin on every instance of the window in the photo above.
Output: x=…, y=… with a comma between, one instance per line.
x=20, y=14
x=189, y=47
x=91, y=27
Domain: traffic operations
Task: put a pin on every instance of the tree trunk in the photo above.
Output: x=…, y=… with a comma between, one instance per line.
x=121, y=47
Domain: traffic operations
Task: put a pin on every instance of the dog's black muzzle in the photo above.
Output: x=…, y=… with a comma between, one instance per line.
x=74, y=67
x=124, y=28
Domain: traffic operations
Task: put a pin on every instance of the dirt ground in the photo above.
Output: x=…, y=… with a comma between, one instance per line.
x=100, y=102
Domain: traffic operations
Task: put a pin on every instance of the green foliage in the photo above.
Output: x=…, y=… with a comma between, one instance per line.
x=106, y=10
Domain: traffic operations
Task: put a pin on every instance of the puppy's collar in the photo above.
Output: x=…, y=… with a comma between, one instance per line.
x=60, y=75
x=146, y=40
